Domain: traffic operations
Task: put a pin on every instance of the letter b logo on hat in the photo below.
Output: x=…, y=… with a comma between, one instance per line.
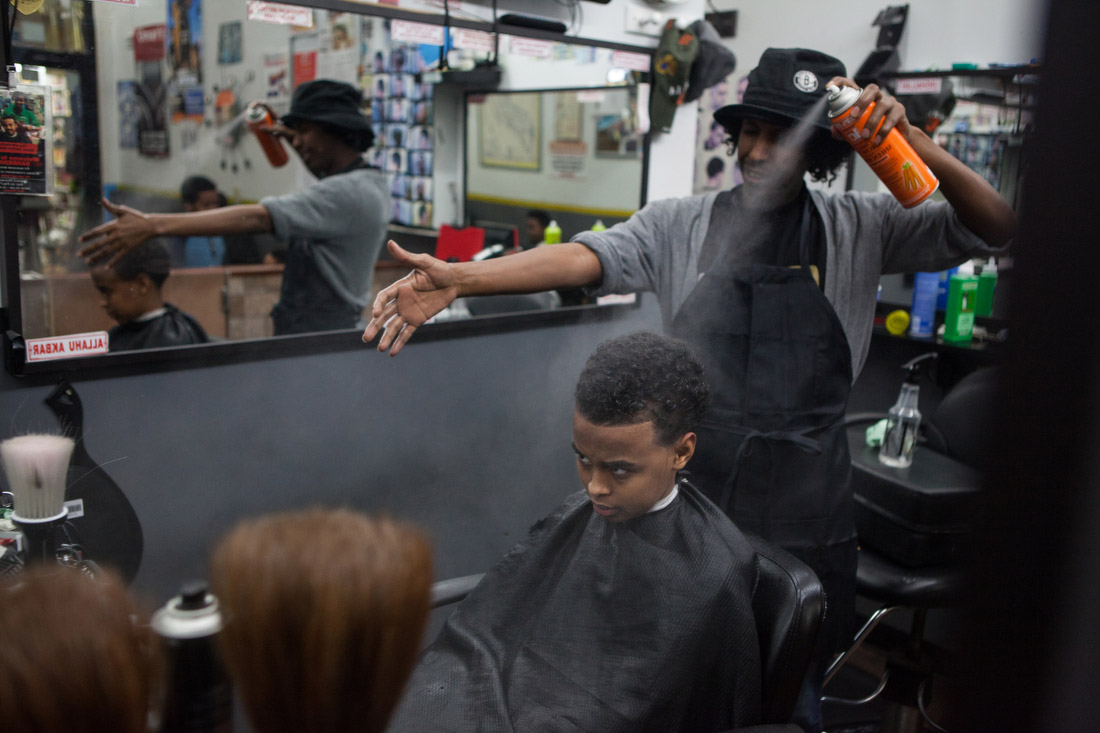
x=805, y=81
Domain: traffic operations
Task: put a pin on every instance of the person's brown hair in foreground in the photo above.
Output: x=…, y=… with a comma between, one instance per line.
x=324, y=611
x=76, y=657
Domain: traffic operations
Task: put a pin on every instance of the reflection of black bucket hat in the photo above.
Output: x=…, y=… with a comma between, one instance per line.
x=786, y=84
x=328, y=102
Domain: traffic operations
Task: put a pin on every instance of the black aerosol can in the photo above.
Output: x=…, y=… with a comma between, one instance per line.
x=197, y=692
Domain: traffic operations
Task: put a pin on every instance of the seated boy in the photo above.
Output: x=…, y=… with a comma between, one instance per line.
x=131, y=295
x=629, y=607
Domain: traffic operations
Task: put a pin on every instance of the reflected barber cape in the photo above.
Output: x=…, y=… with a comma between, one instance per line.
x=645, y=625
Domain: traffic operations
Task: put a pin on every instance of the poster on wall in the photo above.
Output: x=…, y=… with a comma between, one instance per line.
x=230, y=38
x=152, y=110
x=127, y=114
x=509, y=130
x=26, y=163
x=185, y=58
x=277, y=73
x=715, y=170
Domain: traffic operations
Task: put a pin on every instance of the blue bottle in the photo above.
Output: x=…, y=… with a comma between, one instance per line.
x=922, y=316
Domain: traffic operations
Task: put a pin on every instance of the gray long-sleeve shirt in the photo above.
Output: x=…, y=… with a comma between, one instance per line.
x=866, y=235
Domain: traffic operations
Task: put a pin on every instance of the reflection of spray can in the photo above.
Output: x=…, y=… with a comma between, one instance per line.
x=197, y=692
x=894, y=161
x=258, y=116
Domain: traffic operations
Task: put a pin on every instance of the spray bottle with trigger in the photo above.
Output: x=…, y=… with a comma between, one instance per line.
x=903, y=420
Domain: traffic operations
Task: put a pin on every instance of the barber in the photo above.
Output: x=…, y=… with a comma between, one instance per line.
x=774, y=285
x=334, y=229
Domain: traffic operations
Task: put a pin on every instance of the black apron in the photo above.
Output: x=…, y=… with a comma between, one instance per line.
x=772, y=450
x=307, y=302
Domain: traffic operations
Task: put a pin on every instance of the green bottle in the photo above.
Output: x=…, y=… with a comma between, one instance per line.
x=552, y=233
x=987, y=281
x=962, y=300
x=598, y=226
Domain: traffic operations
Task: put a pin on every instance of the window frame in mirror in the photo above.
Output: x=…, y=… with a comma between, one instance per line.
x=274, y=347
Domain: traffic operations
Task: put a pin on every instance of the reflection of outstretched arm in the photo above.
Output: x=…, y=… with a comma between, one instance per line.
x=433, y=284
x=132, y=227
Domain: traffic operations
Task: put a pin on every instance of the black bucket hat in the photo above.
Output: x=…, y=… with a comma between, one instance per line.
x=785, y=85
x=332, y=103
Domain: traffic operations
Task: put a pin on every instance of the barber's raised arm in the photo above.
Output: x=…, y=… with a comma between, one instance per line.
x=978, y=205
x=433, y=284
x=131, y=228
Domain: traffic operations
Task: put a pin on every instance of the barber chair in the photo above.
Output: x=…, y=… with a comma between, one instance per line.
x=914, y=525
x=788, y=604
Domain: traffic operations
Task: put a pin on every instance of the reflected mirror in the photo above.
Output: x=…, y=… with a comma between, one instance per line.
x=132, y=100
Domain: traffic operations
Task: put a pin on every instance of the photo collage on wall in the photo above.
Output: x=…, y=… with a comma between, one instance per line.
x=401, y=112
x=388, y=73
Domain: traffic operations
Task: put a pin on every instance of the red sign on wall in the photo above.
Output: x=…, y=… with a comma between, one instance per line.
x=149, y=42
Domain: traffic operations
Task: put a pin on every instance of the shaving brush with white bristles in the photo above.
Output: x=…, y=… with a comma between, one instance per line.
x=36, y=467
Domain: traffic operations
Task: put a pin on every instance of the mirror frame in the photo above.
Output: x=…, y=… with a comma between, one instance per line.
x=229, y=352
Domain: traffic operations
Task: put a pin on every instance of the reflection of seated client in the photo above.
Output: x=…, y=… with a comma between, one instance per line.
x=131, y=295
x=334, y=229
x=199, y=193
x=11, y=131
x=626, y=609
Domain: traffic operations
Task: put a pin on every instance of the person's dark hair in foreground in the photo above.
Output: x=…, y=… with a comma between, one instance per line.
x=76, y=657
x=131, y=295
x=626, y=609
x=325, y=611
x=665, y=386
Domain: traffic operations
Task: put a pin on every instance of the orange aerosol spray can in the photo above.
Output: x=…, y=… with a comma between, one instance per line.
x=893, y=160
x=258, y=116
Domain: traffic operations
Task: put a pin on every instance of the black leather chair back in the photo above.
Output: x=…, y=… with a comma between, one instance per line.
x=788, y=604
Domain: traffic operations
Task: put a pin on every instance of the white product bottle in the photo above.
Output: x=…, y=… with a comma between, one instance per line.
x=903, y=420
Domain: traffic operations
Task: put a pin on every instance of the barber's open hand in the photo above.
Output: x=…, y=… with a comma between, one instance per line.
x=887, y=114
x=402, y=307
x=115, y=238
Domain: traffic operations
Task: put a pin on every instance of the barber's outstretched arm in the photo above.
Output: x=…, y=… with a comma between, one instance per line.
x=433, y=284
x=113, y=239
x=977, y=204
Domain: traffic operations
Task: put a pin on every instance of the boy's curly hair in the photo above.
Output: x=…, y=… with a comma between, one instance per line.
x=643, y=377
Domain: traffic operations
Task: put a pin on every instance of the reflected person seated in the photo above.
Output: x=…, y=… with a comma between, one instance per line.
x=199, y=193
x=131, y=295
x=334, y=229
x=628, y=608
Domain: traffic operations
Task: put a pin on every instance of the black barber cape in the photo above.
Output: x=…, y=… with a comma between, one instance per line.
x=589, y=625
x=173, y=327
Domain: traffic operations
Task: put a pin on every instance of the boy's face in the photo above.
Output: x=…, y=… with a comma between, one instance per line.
x=124, y=300
x=624, y=469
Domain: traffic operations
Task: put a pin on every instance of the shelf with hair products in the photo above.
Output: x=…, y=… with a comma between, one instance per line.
x=985, y=117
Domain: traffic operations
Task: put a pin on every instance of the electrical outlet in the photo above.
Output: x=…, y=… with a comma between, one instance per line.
x=644, y=21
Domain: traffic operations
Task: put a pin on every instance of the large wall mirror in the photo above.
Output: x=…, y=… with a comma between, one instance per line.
x=129, y=100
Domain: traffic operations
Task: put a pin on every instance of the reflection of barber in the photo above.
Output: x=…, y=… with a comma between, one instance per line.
x=334, y=228
x=11, y=131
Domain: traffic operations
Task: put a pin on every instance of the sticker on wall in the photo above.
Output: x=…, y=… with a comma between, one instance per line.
x=280, y=14
x=67, y=347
